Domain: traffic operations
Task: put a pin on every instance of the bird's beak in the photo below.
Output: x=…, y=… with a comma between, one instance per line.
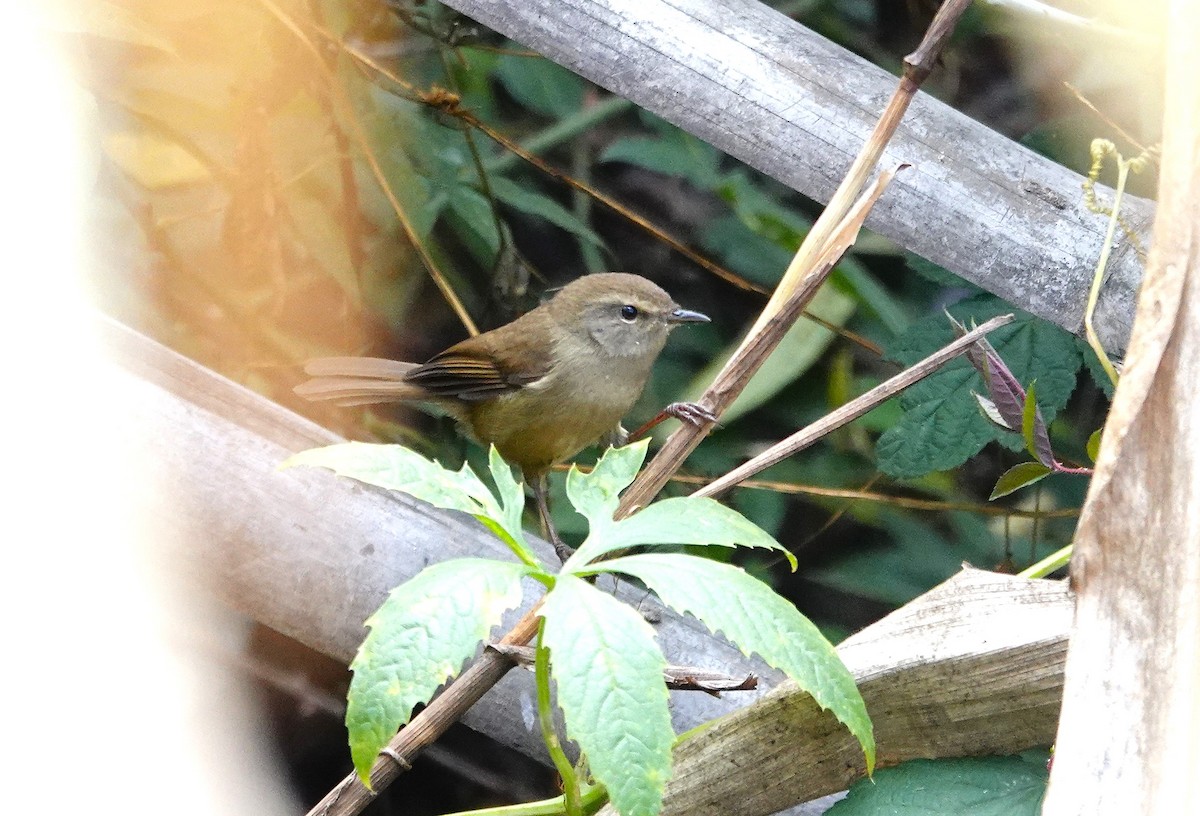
x=686, y=316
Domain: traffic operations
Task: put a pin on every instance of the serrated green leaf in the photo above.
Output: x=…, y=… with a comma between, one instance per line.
x=934, y=435
x=540, y=85
x=942, y=427
x=535, y=203
x=975, y=786
x=512, y=506
x=681, y=520
x=596, y=494
x=1093, y=444
x=395, y=467
x=1019, y=476
x=608, y=672
x=421, y=636
x=758, y=621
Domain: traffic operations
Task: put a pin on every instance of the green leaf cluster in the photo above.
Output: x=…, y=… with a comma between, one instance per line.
x=604, y=660
x=942, y=426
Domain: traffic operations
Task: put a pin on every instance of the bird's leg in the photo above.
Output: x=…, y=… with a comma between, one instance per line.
x=540, y=494
x=691, y=412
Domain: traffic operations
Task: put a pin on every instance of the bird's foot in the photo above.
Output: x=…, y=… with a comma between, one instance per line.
x=561, y=549
x=692, y=413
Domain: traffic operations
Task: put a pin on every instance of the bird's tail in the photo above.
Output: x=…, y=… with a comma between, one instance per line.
x=358, y=381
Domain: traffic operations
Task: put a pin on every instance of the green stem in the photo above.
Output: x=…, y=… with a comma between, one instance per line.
x=568, y=128
x=1048, y=564
x=1101, y=266
x=541, y=668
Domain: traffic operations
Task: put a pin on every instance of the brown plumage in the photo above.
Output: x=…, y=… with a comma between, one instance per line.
x=540, y=388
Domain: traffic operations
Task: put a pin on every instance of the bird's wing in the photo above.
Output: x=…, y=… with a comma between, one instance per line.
x=484, y=367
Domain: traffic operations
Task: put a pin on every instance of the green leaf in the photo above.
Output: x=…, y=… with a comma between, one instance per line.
x=596, y=494
x=977, y=786
x=422, y=635
x=609, y=674
x=672, y=153
x=942, y=427
x=395, y=467
x=1093, y=444
x=853, y=277
x=934, y=435
x=1019, y=476
x=745, y=251
x=681, y=520
x=991, y=412
x=535, y=203
x=763, y=213
x=540, y=85
x=1033, y=429
x=1029, y=420
x=512, y=506
x=758, y=621
x=471, y=216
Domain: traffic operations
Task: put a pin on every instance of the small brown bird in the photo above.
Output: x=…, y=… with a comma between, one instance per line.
x=541, y=388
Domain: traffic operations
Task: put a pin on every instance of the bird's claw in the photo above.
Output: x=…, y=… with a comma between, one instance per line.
x=692, y=413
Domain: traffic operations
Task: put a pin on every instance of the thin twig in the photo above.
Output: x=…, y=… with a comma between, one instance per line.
x=851, y=410
x=1108, y=120
x=905, y=502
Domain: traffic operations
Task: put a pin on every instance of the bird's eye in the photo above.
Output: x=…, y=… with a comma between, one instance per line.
x=629, y=313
